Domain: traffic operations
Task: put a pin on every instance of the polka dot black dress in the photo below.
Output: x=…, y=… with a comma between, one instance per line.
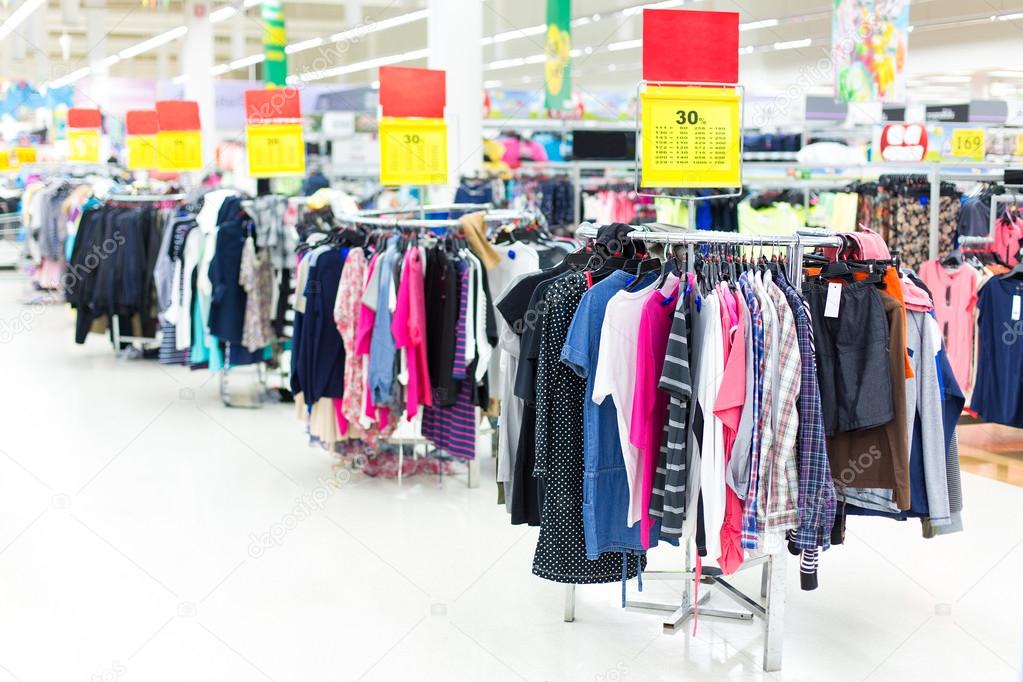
x=561, y=549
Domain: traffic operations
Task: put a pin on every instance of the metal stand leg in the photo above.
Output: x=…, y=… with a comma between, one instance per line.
x=774, y=618
x=569, y=603
x=401, y=461
x=474, y=473
x=764, y=579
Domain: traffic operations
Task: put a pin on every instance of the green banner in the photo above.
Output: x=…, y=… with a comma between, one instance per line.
x=558, y=52
x=275, y=68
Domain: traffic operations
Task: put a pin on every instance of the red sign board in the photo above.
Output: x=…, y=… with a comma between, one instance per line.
x=272, y=105
x=176, y=114
x=84, y=118
x=410, y=92
x=142, y=122
x=689, y=46
x=904, y=142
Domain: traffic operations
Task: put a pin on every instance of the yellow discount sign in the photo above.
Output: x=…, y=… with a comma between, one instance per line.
x=691, y=137
x=178, y=150
x=275, y=149
x=142, y=152
x=25, y=154
x=413, y=151
x=5, y=160
x=83, y=145
x=968, y=143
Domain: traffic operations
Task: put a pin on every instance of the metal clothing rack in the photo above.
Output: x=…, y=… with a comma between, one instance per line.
x=770, y=606
x=497, y=216
x=996, y=199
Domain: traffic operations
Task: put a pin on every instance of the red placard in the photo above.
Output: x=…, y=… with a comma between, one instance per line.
x=141, y=122
x=174, y=114
x=689, y=46
x=272, y=105
x=84, y=118
x=904, y=142
x=410, y=92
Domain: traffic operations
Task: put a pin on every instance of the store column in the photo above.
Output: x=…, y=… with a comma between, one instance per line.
x=197, y=62
x=454, y=32
x=96, y=31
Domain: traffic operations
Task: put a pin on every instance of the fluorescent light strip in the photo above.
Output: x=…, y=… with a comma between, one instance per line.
x=754, y=25
x=222, y=14
x=630, y=11
x=1011, y=17
x=512, y=35
x=793, y=44
x=19, y=15
x=155, y=41
x=72, y=77
x=303, y=45
x=362, y=66
x=381, y=25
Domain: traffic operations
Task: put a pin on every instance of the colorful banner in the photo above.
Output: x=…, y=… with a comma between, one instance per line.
x=275, y=39
x=558, y=55
x=691, y=137
x=870, y=39
x=413, y=151
x=179, y=142
x=274, y=143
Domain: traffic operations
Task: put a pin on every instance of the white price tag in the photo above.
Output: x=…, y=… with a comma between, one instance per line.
x=1015, y=308
x=834, y=300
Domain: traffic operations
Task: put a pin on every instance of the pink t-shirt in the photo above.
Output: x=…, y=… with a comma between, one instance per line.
x=407, y=328
x=955, y=298
x=650, y=403
x=1008, y=237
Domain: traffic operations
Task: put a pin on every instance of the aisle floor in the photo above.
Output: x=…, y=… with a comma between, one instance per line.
x=133, y=510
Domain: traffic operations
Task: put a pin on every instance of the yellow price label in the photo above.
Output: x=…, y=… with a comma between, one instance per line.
x=413, y=151
x=691, y=137
x=25, y=154
x=83, y=145
x=1019, y=146
x=5, y=159
x=275, y=149
x=142, y=152
x=178, y=150
x=968, y=143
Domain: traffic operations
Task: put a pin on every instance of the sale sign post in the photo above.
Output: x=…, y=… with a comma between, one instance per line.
x=690, y=101
x=179, y=140
x=413, y=133
x=84, y=127
x=274, y=144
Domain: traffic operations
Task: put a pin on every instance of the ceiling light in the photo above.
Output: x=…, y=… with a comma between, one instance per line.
x=1006, y=74
x=625, y=45
x=512, y=35
x=178, y=80
x=365, y=65
x=753, y=25
x=220, y=69
x=653, y=5
x=247, y=61
x=506, y=63
x=491, y=84
x=19, y=15
x=155, y=41
x=793, y=44
x=381, y=25
x=222, y=14
x=1010, y=17
x=303, y=45
x=109, y=61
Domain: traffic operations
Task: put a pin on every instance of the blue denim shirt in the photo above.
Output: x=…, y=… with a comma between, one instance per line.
x=382, y=348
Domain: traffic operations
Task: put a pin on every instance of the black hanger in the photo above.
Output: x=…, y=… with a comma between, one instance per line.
x=1015, y=273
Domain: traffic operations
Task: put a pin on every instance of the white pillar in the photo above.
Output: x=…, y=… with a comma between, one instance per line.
x=197, y=60
x=238, y=45
x=353, y=13
x=454, y=31
x=40, y=53
x=96, y=30
x=163, y=63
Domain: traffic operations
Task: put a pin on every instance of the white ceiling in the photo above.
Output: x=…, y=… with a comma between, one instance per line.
x=958, y=48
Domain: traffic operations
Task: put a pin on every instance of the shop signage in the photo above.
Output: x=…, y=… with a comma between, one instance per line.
x=690, y=104
x=141, y=128
x=25, y=155
x=83, y=133
x=967, y=143
x=558, y=55
x=902, y=142
x=179, y=140
x=413, y=133
x=275, y=39
x=274, y=142
x=947, y=113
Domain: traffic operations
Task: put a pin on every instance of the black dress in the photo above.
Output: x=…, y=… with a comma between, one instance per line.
x=561, y=548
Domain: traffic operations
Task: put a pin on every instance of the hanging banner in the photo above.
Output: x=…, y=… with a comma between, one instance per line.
x=413, y=151
x=275, y=39
x=691, y=137
x=558, y=55
x=869, y=41
x=274, y=143
x=83, y=135
x=178, y=142
x=141, y=128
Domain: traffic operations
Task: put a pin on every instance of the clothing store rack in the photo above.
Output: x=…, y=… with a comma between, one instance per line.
x=772, y=581
x=996, y=200
x=115, y=324
x=497, y=216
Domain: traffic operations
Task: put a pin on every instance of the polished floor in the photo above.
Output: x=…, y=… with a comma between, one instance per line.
x=149, y=533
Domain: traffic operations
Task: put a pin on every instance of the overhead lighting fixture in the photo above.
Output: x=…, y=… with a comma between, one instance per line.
x=109, y=61
x=625, y=45
x=1010, y=17
x=1006, y=74
x=754, y=25
x=793, y=44
x=303, y=45
x=222, y=14
x=19, y=15
x=247, y=61
x=512, y=35
x=491, y=84
x=364, y=65
x=220, y=69
x=383, y=24
x=155, y=41
x=75, y=75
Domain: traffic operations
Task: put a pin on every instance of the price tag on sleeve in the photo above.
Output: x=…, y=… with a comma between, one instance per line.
x=691, y=137
x=1016, y=308
x=968, y=143
x=413, y=151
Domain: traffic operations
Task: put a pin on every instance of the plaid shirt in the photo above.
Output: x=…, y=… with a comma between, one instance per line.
x=749, y=514
x=779, y=480
x=816, y=489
